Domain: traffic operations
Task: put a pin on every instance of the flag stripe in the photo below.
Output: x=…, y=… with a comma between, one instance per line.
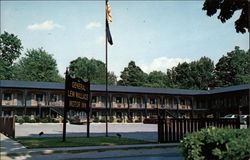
x=108, y=34
x=108, y=20
x=108, y=12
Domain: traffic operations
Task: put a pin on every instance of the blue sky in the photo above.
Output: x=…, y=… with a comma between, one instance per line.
x=156, y=35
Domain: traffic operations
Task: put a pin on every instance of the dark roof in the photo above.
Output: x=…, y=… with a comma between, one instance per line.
x=130, y=89
x=124, y=89
x=31, y=85
x=230, y=89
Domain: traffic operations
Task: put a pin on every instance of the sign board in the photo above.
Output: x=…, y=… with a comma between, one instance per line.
x=77, y=94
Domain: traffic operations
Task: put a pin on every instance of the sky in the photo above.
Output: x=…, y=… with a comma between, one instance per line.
x=157, y=35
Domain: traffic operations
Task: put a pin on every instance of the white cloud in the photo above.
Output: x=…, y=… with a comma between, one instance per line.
x=162, y=64
x=47, y=25
x=92, y=25
x=100, y=39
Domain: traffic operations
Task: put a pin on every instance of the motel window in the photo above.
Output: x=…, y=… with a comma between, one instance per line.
x=175, y=101
x=182, y=102
x=118, y=114
x=94, y=99
x=39, y=97
x=152, y=101
x=131, y=100
x=7, y=96
x=103, y=99
x=118, y=100
x=138, y=100
x=53, y=98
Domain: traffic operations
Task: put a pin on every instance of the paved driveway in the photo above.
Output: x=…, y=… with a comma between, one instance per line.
x=146, y=132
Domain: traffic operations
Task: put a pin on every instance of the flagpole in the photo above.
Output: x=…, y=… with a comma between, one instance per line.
x=106, y=55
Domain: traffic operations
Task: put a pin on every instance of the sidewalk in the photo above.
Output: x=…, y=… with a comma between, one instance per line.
x=12, y=148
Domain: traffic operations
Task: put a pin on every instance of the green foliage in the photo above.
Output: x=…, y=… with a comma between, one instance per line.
x=54, y=121
x=37, y=65
x=26, y=119
x=133, y=76
x=111, y=119
x=37, y=118
x=156, y=79
x=93, y=70
x=119, y=120
x=233, y=69
x=102, y=120
x=32, y=121
x=96, y=120
x=21, y=121
x=45, y=120
x=138, y=121
x=227, y=9
x=194, y=75
x=10, y=50
x=216, y=143
x=129, y=121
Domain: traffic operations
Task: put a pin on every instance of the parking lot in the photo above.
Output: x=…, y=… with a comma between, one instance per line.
x=147, y=132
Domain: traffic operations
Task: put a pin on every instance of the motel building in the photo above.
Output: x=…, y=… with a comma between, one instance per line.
x=124, y=102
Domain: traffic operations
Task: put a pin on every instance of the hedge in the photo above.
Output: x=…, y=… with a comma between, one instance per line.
x=216, y=143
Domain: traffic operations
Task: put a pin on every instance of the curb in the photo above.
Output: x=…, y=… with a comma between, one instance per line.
x=41, y=151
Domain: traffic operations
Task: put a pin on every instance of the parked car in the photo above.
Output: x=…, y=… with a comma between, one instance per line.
x=229, y=116
x=151, y=120
x=78, y=120
x=243, y=119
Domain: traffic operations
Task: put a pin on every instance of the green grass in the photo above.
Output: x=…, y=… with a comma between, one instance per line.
x=54, y=142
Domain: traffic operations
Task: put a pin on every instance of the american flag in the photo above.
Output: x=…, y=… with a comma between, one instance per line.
x=108, y=20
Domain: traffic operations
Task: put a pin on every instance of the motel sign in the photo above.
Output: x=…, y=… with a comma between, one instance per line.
x=77, y=94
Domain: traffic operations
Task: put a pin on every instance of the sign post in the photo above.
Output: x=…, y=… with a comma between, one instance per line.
x=77, y=95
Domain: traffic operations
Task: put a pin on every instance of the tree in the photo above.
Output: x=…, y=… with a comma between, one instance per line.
x=112, y=79
x=233, y=69
x=227, y=9
x=133, y=76
x=93, y=70
x=202, y=73
x=194, y=75
x=37, y=65
x=156, y=79
x=182, y=76
x=10, y=50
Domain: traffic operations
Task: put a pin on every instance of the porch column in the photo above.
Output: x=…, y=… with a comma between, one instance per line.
x=110, y=96
x=128, y=114
x=1, y=99
x=145, y=99
x=178, y=103
x=25, y=101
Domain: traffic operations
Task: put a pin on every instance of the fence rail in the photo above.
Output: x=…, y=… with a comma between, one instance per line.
x=173, y=130
x=7, y=126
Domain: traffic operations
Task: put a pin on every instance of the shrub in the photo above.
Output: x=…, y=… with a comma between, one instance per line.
x=129, y=121
x=216, y=143
x=138, y=121
x=103, y=120
x=55, y=121
x=111, y=119
x=44, y=120
x=119, y=120
x=37, y=118
x=32, y=121
x=26, y=119
x=96, y=120
x=20, y=121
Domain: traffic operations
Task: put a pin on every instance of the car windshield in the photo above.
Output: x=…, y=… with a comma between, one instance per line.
x=229, y=115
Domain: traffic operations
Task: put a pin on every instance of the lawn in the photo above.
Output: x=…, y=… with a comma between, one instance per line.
x=54, y=142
